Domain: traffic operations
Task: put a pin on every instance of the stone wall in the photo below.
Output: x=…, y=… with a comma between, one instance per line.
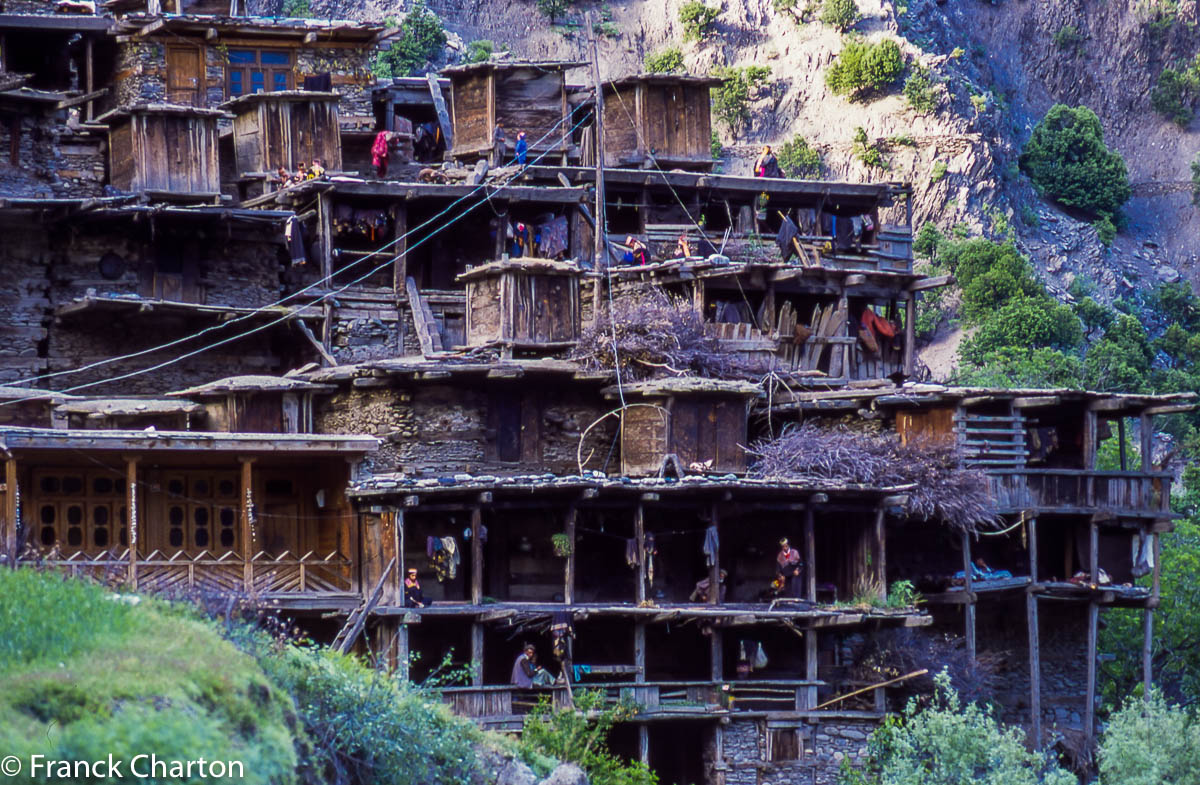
x=823, y=746
x=24, y=300
x=52, y=160
x=351, y=75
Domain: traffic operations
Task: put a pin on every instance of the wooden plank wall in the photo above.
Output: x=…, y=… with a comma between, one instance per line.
x=545, y=308
x=173, y=153
x=120, y=157
x=472, y=125
x=483, y=311
x=928, y=423
x=620, y=135
x=709, y=428
x=644, y=440
x=530, y=101
x=284, y=133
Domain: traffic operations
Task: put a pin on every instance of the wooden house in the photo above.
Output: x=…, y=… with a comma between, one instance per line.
x=257, y=404
x=523, y=304
x=664, y=118
x=529, y=97
x=683, y=423
x=285, y=129
x=164, y=150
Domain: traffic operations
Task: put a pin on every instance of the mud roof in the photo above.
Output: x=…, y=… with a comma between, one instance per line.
x=250, y=383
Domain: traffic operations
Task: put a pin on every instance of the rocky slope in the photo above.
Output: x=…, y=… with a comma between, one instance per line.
x=961, y=160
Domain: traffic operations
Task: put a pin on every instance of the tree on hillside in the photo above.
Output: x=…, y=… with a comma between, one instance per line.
x=840, y=14
x=1067, y=160
x=420, y=41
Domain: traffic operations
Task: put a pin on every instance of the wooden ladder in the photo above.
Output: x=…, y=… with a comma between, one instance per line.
x=358, y=617
x=428, y=334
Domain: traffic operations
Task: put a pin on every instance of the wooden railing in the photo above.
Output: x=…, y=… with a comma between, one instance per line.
x=662, y=697
x=1084, y=491
x=160, y=572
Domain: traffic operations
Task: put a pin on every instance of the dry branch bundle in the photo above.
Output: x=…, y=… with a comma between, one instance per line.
x=945, y=490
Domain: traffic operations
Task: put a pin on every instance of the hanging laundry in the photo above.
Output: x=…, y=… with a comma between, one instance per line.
x=450, y=545
x=651, y=552
x=711, y=546
x=293, y=235
x=786, y=239
x=553, y=237
x=631, y=553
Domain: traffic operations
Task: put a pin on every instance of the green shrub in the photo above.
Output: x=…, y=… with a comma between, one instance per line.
x=864, y=68
x=1121, y=359
x=840, y=14
x=580, y=736
x=731, y=99
x=1067, y=160
x=553, y=8
x=697, y=19
x=1024, y=322
x=948, y=743
x=867, y=151
x=714, y=146
x=1150, y=742
x=1106, y=230
x=798, y=159
x=420, y=41
x=1095, y=317
x=1016, y=366
x=479, y=51
x=665, y=61
x=1029, y=216
x=1177, y=303
x=937, y=172
x=1196, y=179
x=920, y=90
x=296, y=9
x=1175, y=93
x=1068, y=38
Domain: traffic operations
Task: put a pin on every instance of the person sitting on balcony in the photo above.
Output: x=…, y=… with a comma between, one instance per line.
x=790, y=568
x=636, y=253
x=413, y=596
x=700, y=593
x=317, y=171
x=527, y=673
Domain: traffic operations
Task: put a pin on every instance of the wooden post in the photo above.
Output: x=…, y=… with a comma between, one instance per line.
x=1089, y=441
x=89, y=75
x=717, y=655
x=131, y=516
x=969, y=589
x=644, y=743
x=1033, y=551
x=1035, y=666
x=714, y=570
x=247, y=523
x=881, y=554
x=476, y=555
x=398, y=545
x=810, y=553
x=11, y=494
x=1146, y=441
x=569, y=570
x=1089, y=716
x=639, y=651
x=1094, y=553
x=1121, y=442
x=639, y=536
x=1147, y=652
x=910, y=331
x=476, y=654
x=402, y=652
x=400, y=249
x=810, y=666
x=601, y=222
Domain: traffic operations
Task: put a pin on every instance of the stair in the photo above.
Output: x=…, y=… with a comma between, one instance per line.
x=428, y=334
x=358, y=617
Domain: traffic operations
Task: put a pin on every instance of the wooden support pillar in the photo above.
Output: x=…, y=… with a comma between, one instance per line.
x=476, y=654
x=398, y=548
x=714, y=569
x=1090, y=426
x=601, y=234
x=717, y=655
x=476, y=555
x=910, y=332
x=644, y=743
x=399, y=248
x=969, y=605
x=639, y=651
x=246, y=519
x=1146, y=441
x=810, y=554
x=1035, y=650
x=1147, y=652
x=569, y=569
x=1094, y=553
x=402, y=652
x=325, y=238
x=89, y=76
x=1089, y=709
x=1121, y=443
x=131, y=516
x=881, y=554
x=810, y=666
x=639, y=537
x=11, y=508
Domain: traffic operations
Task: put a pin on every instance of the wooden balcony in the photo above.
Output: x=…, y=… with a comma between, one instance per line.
x=286, y=576
x=1122, y=493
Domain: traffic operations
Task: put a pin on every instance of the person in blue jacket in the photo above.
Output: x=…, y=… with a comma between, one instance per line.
x=522, y=148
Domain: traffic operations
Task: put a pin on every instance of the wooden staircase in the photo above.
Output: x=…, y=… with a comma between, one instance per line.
x=358, y=617
x=428, y=334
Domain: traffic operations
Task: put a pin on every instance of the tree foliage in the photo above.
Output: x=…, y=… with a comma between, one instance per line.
x=920, y=90
x=479, y=50
x=798, y=159
x=580, y=736
x=420, y=41
x=665, y=61
x=863, y=68
x=554, y=8
x=697, y=19
x=731, y=99
x=840, y=14
x=1150, y=743
x=1067, y=160
x=1176, y=91
x=949, y=743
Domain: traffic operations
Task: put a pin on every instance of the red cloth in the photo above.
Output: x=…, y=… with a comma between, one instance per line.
x=877, y=324
x=379, y=150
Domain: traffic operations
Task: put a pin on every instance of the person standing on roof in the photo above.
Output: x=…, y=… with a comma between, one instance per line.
x=379, y=153
x=498, y=145
x=522, y=149
x=767, y=165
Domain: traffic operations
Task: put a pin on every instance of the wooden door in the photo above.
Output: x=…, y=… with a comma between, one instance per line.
x=185, y=75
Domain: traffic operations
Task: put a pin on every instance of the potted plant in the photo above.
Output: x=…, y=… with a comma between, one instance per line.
x=562, y=545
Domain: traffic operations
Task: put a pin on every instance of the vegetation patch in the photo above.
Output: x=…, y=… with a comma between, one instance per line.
x=841, y=15
x=798, y=159
x=863, y=69
x=665, y=61
x=420, y=41
x=731, y=99
x=1176, y=91
x=697, y=19
x=920, y=90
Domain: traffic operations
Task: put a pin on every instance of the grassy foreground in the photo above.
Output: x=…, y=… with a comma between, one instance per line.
x=87, y=673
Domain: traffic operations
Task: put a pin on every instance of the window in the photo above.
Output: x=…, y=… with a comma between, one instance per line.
x=80, y=510
x=201, y=512
x=784, y=744
x=257, y=71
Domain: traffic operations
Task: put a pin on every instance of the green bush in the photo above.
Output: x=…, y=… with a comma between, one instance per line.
x=866, y=151
x=1069, y=39
x=948, y=743
x=1178, y=304
x=1067, y=160
x=1175, y=93
x=840, y=14
x=580, y=736
x=1094, y=316
x=731, y=99
x=1196, y=179
x=863, y=68
x=920, y=90
x=798, y=159
x=553, y=8
x=1150, y=743
x=296, y=9
x=714, y=145
x=420, y=41
x=1024, y=322
x=479, y=51
x=697, y=19
x=1016, y=366
x=937, y=172
x=1121, y=359
x=665, y=61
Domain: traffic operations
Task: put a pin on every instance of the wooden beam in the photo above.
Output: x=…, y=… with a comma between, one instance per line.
x=1034, y=401
x=310, y=39
x=969, y=588
x=910, y=333
x=934, y=282
x=398, y=546
x=601, y=232
x=210, y=34
x=476, y=555
x=1089, y=440
x=716, y=655
x=639, y=536
x=439, y=106
x=811, y=661
x=569, y=568
x=402, y=651
x=1121, y=442
x=476, y=654
x=1094, y=553
x=11, y=492
x=1181, y=408
x=639, y=651
x=246, y=517
x=400, y=248
x=881, y=554
x=1089, y=709
x=643, y=740
x=1035, y=666
x=1147, y=652
x=1146, y=441
x=810, y=556
x=714, y=569
x=131, y=516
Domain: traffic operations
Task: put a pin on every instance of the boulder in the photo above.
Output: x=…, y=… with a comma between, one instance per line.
x=566, y=774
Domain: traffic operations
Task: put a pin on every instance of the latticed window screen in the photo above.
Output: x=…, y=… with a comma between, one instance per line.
x=80, y=510
x=201, y=510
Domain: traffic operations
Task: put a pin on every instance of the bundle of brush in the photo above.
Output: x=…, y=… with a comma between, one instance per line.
x=652, y=335
x=945, y=490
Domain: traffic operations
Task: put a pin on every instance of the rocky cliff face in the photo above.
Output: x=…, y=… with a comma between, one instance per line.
x=961, y=159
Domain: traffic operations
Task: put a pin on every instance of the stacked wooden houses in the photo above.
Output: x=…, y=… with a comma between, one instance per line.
x=298, y=391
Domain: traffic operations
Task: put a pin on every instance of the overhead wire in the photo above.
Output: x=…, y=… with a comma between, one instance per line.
x=289, y=315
